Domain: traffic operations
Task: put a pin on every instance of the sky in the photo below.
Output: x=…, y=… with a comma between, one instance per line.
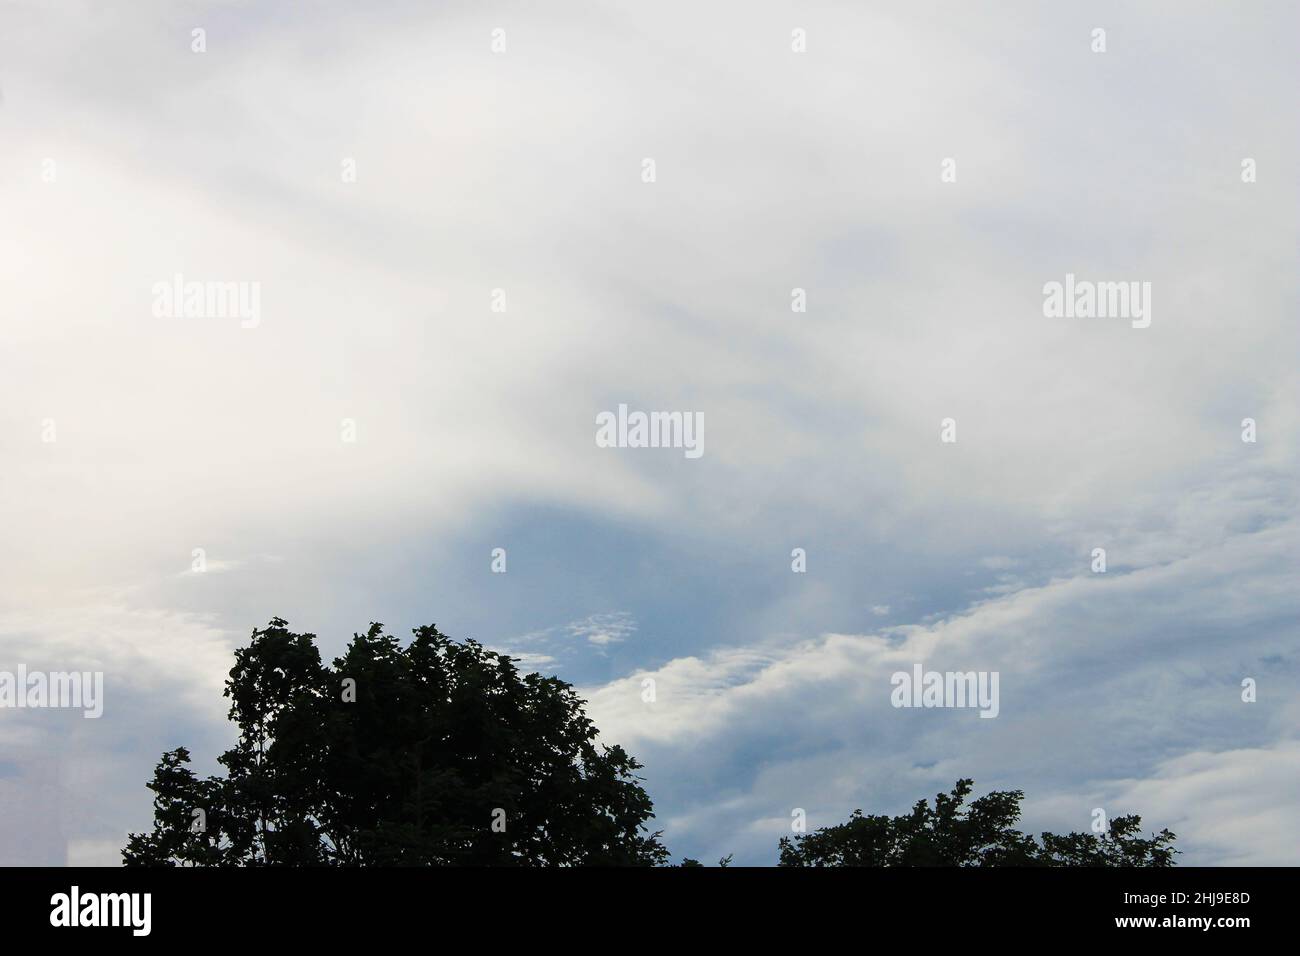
x=461, y=260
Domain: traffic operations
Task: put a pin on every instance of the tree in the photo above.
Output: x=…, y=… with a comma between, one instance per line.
x=692, y=863
x=981, y=834
x=437, y=753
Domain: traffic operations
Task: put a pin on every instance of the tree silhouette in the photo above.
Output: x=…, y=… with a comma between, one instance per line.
x=442, y=753
x=437, y=753
x=981, y=834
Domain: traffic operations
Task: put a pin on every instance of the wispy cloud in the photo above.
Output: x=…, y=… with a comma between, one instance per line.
x=382, y=428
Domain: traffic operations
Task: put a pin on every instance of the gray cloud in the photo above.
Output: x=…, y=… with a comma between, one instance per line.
x=474, y=429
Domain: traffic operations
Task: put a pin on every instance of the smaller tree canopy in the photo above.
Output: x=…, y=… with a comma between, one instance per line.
x=952, y=833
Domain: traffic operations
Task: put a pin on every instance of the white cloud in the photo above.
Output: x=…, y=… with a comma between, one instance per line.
x=776, y=170
x=73, y=784
x=602, y=629
x=1231, y=808
x=1137, y=673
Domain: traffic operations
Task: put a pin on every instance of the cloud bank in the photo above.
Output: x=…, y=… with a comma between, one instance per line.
x=361, y=452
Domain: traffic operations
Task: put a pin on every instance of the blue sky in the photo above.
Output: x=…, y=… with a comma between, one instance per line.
x=775, y=170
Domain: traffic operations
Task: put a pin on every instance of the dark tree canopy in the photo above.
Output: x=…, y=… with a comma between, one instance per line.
x=982, y=833
x=441, y=752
